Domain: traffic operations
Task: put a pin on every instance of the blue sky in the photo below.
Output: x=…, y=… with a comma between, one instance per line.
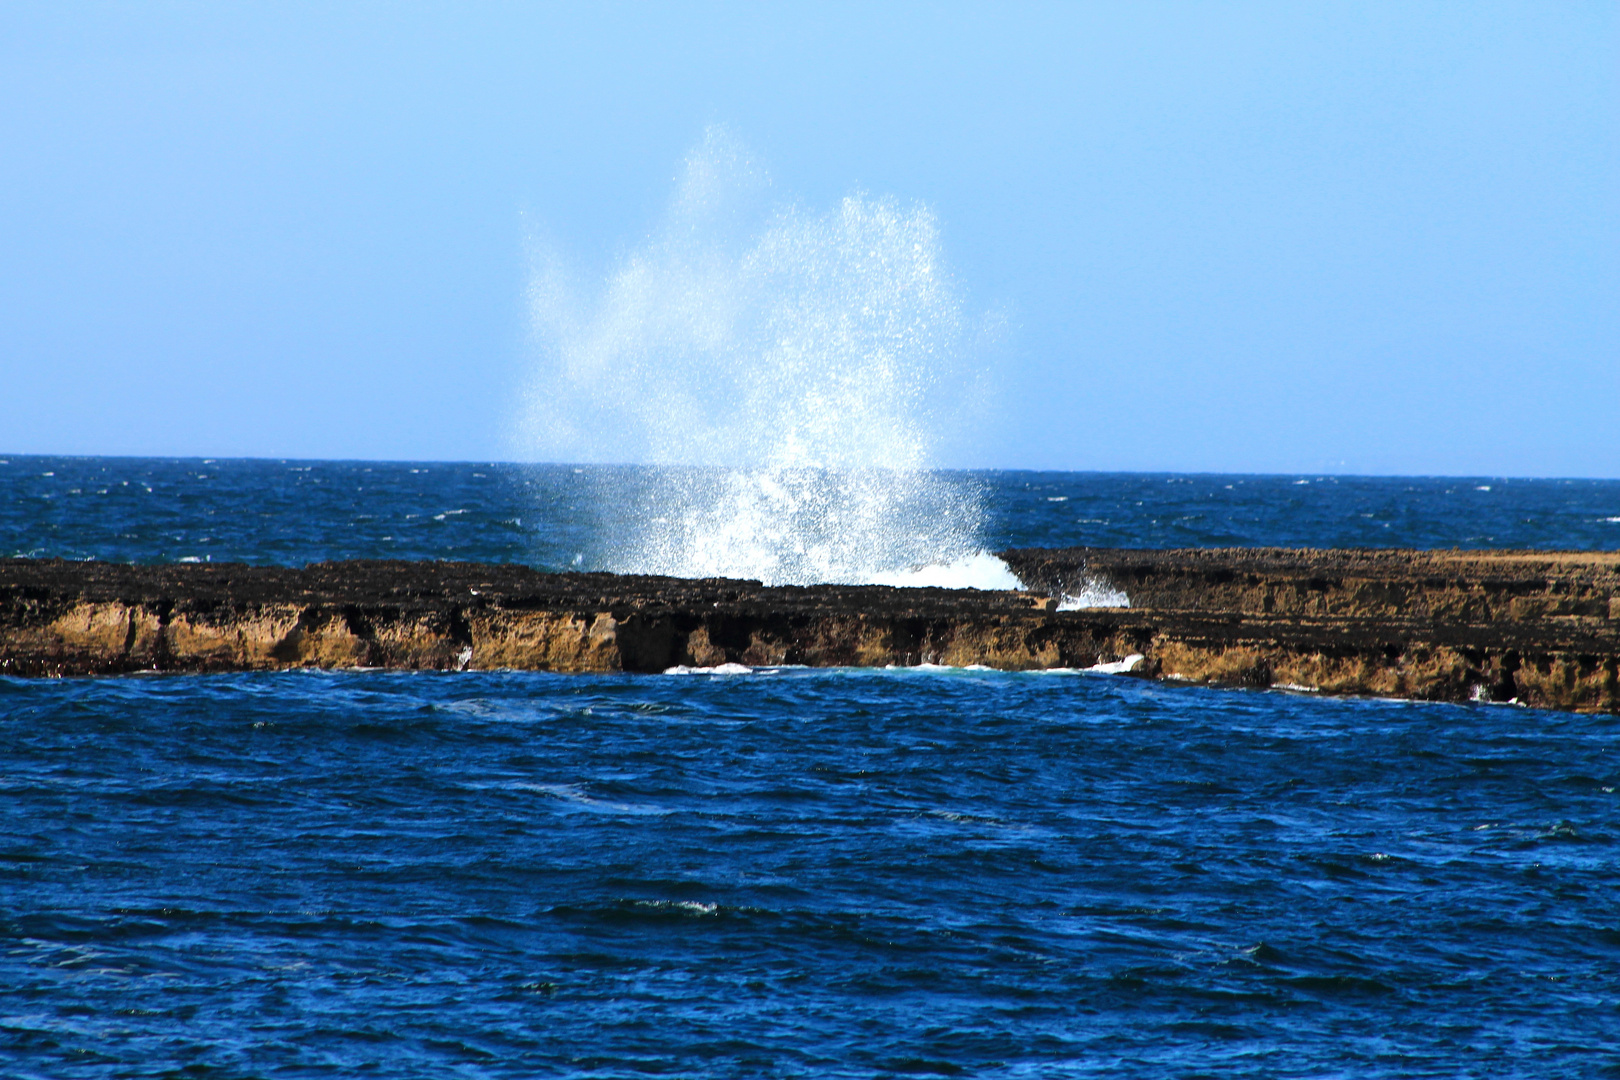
x=1349, y=238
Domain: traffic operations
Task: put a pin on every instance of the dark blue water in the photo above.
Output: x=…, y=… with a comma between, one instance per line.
x=788, y=873
x=557, y=517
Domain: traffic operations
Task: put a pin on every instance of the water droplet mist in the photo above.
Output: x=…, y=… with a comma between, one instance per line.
x=787, y=374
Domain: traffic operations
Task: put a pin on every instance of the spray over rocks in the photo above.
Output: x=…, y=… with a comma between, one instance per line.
x=787, y=376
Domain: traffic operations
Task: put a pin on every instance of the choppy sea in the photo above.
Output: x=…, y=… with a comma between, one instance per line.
x=788, y=872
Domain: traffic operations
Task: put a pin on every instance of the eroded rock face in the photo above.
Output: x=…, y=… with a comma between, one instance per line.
x=1452, y=586
x=1540, y=628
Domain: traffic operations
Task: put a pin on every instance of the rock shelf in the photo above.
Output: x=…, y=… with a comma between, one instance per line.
x=1536, y=628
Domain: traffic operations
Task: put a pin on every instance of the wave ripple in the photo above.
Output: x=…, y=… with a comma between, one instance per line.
x=839, y=873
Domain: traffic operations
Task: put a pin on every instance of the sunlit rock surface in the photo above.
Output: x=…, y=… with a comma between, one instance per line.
x=1537, y=628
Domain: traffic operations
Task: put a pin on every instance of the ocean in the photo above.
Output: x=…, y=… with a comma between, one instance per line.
x=787, y=872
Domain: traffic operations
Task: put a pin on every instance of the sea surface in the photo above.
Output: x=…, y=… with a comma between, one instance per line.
x=845, y=873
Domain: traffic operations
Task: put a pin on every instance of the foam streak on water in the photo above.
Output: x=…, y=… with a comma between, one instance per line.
x=791, y=371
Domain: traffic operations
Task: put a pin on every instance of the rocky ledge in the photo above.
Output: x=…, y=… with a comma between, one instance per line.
x=1536, y=628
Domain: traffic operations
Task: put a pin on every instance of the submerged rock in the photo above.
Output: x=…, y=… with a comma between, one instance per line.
x=1535, y=628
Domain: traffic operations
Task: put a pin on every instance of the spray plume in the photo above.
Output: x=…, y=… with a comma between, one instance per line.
x=784, y=372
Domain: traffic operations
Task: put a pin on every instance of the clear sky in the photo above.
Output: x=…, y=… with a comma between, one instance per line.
x=1298, y=237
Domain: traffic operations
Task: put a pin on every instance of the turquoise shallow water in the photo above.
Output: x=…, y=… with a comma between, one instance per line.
x=789, y=872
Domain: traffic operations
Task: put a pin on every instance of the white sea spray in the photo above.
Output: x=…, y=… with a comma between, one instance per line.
x=788, y=373
x=1093, y=593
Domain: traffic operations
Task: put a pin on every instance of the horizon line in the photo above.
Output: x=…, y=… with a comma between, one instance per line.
x=1321, y=474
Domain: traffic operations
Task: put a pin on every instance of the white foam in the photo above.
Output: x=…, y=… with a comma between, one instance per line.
x=981, y=570
x=805, y=525
x=1109, y=667
x=718, y=669
x=693, y=906
x=1095, y=593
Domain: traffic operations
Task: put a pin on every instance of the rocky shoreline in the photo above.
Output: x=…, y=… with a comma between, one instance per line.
x=1536, y=628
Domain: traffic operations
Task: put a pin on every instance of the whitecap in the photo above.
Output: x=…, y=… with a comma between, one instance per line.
x=693, y=906
x=718, y=669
